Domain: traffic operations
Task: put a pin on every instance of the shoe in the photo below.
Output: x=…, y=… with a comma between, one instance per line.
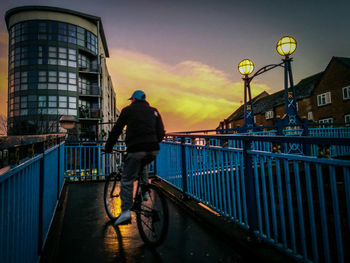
x=144, y=192
x=145, y=196
x=123, y=219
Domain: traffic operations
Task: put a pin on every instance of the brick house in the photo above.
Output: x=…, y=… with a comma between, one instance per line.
x=323, y=97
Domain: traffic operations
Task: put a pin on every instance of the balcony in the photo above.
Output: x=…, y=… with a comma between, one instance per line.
x=89, y=90
x=85, y=112
x=88, y=70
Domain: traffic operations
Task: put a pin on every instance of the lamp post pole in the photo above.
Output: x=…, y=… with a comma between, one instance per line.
x=249, y=122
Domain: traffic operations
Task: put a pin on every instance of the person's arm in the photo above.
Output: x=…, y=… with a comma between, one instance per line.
x=159, y=128
x=115, y=132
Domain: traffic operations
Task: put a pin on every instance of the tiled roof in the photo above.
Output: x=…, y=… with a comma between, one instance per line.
x=239, y=112
x=262, y=104
x=345, y=61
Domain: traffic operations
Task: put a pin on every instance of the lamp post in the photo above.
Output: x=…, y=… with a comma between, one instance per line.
x=246, y=67
x=285, y=47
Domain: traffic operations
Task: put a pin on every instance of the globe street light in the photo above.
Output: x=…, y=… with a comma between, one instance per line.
x=286, y=46
x=245, y=67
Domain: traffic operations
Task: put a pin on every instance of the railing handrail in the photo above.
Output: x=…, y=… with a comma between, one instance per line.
x=276, y=138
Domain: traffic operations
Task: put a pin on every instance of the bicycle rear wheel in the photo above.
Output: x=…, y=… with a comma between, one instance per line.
x=153, y=217
x=111, y=196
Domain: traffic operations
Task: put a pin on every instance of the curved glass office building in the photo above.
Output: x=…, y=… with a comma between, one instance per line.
x=57, y=67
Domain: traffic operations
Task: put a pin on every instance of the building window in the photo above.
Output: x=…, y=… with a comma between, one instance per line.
x=52, y=101
x=81, y=36
x=62, y=55
x=324, y=99
x=24, y=102
x=72, y=34
x=310, y=116
x=62, y=101
x=42, y=76
x=62, y=77
x=269, y=115
x=326, y=120
x=347, y=119
x=83, y=61
x=72, y=102
x=52, y=56
x=72, y=58
x=346, y=93
x=42, y=102
x=52, y=76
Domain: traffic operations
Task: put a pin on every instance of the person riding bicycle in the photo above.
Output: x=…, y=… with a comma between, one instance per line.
x=144, y=131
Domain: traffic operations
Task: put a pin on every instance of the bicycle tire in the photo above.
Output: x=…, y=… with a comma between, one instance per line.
x=111, y=196
x=152, y=217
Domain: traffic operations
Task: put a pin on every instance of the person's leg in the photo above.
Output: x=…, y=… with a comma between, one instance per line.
x=149, y=157
x=132, y=167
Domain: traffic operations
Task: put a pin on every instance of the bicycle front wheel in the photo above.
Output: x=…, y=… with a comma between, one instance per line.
x=153, y=217
x=111, y=196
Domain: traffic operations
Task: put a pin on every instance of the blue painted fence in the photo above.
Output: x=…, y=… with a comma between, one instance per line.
x=89, y=162
x=29, y=193
x=300, y=204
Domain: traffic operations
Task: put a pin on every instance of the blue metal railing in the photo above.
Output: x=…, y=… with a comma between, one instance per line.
x=88, y=162
x=298, y=203
x=333, y=151
x=29, y=193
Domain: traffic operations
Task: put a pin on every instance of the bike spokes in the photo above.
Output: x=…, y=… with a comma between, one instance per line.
x=152, y=217
x=112, y=197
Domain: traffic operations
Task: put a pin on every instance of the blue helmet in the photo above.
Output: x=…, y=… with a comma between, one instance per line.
x=138, y=95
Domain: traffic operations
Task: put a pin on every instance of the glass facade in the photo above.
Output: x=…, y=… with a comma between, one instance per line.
x=45, y=81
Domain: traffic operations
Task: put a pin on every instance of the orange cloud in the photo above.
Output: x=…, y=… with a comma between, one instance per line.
x=3, y=73
x=3, y=86
x=190, y=95
x=4, y=38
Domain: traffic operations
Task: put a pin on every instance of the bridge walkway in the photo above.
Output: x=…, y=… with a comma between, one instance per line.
x=82, y=232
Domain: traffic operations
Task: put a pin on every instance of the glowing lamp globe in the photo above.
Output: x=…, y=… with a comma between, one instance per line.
x=245, y=67
x=286, y=46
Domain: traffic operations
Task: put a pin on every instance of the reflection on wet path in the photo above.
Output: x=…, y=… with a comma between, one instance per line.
x=89, y=236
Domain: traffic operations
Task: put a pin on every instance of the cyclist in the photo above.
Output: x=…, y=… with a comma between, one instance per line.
x=144, y=131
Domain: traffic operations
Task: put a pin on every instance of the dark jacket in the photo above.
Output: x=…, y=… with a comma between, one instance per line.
x=144, y=130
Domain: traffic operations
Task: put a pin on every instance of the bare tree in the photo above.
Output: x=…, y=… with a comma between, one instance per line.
x=3, y=125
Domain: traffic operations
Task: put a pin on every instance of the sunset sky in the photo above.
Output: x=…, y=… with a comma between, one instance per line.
x=184, y=53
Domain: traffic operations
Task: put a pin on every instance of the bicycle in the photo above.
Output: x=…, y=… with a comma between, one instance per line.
x=152, y=215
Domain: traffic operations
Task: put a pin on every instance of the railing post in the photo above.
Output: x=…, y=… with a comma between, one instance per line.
x=41, y=200
x=249, y=186
x=184, y=166
x=306, y=146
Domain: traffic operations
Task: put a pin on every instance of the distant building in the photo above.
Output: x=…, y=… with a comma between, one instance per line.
x=57, y=66
x=322, y=98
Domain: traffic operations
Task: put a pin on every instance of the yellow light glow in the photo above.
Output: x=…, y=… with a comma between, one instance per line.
x=286, y=46
x=183, y=92
x=245, y=67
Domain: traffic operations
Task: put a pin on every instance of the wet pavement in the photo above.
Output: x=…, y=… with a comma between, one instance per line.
x=87, y=235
